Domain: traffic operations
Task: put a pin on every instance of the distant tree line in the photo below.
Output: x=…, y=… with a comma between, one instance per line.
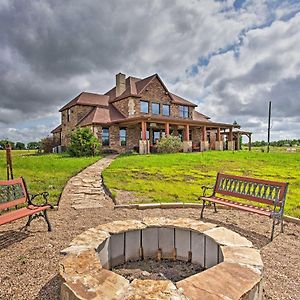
x=280, y=143
x=20, y=145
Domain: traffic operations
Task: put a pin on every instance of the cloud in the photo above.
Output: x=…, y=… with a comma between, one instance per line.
x=231, y=57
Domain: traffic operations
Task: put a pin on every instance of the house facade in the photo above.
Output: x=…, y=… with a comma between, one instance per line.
x=135, y=113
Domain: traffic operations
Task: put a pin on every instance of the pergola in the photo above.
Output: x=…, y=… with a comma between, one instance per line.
x=237, y=135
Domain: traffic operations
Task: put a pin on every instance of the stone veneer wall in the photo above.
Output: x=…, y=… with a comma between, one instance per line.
x=234, y=267
x=77, y=113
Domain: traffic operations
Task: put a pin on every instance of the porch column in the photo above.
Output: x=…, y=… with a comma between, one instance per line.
x=144, y=130
x=238, y=138
x=219, y=142
x=230, y=140
x=249, y=144
x=187, y=144
x=144, y=147
x=204, y=144
x=167, y=129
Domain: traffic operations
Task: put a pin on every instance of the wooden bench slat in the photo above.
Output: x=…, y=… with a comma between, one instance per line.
x=21, y=213
x=245, y=207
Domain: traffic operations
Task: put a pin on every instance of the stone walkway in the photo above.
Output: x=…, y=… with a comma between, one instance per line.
x=85, y=190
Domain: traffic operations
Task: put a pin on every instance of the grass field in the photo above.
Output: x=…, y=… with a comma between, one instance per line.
x=44, y=172
x=178, y=177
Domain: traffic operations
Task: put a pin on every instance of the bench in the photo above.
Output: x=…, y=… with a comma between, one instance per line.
x=14, y=193
x=248, y=194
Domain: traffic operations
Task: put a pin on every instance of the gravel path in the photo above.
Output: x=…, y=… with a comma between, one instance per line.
x=30, y=261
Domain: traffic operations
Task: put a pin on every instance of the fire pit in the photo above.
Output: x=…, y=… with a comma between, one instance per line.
x=232, y=268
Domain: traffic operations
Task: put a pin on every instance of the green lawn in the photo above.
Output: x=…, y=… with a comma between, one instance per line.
x=44, y=172
x=178, y=177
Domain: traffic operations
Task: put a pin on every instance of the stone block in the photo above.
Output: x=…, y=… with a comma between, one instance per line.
x=116, y=248
x=242, y=255
x=224, y=281
x=144, y=147
x=166, y=242
x=132, y=245
x=226, y=237
x=121, y=226
x=231, y=145
x=197, y=248
x=211, y=253
x=182, y=244
x=150, y=242
x=153, y=289
x=172, y=205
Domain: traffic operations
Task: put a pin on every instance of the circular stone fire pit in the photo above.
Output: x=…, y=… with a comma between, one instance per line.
x=233, y=269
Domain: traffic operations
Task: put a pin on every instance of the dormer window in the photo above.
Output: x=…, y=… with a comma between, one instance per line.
x=144, y=107
x=155, y=108
x=184, y=111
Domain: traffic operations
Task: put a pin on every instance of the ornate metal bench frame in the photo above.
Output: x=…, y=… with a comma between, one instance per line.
x=272, y=193
x=13, y=193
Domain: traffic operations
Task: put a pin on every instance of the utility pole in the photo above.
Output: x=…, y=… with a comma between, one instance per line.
x=269, y=126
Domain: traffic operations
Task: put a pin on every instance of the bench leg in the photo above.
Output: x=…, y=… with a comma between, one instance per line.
x=30, y=218
x=47, y=220
x=281, y=221
x=273, y=228
x=215, y=208
x=202, y=210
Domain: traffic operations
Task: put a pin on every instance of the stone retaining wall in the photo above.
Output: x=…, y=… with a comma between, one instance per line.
x=234, y=267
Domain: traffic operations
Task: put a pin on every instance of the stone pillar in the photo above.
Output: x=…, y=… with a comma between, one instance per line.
x=204, y=146
x=144, y=147
x=187, y=146
x=219, y=145
x=231, y=145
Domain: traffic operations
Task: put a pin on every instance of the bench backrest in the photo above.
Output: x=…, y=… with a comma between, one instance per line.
x=258, y=190
x=12, y=192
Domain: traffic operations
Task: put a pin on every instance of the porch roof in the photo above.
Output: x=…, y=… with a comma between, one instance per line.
x=175, y=121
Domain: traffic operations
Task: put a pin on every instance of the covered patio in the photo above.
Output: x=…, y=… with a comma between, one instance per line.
x=195, y=135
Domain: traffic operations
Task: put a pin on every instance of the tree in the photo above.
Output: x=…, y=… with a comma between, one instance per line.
x=20, y=146
x=3, y=143
x=33, y=145
x=83, y=143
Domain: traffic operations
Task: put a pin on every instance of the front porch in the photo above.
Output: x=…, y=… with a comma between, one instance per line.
x=195, y=136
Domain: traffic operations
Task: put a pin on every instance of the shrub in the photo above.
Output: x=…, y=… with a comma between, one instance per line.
x=83, y=143
x=170, y=144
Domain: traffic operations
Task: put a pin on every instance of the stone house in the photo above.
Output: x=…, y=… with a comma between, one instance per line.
x=136, y=113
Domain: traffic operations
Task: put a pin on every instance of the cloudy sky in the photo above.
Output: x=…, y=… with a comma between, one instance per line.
x=230, y=57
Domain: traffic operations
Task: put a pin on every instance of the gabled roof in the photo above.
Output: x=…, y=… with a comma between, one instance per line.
x=89, y=99
x=101, y=115
x=200, y=117
x=57, y=129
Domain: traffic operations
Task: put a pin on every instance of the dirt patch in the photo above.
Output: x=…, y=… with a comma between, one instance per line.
x=158, y=270
x=128, y=197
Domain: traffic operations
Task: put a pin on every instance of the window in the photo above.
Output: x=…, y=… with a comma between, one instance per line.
x=144, y=107
x=123, y=136
x=156, y=136
x=68, y=115
x=166, y=109
x=155, y=108
x=105, y=137
x=184, y=111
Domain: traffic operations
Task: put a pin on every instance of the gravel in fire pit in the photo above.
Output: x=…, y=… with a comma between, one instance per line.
x=157, y=270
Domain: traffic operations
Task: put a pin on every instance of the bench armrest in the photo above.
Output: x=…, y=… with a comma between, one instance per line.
x=205, y=188
x=44, y=195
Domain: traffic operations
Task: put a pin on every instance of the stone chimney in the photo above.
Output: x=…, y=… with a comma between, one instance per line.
x=120, y=84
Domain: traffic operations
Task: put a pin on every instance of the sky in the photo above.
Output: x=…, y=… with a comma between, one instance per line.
x=229, y=57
